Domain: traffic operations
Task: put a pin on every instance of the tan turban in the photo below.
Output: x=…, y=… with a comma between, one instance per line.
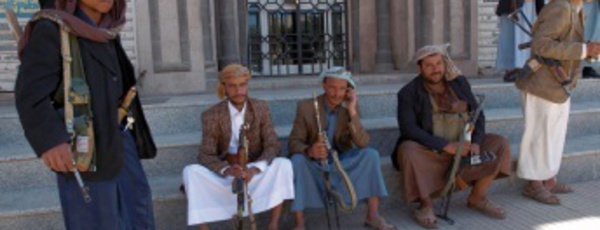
x=231, y=71
x=451, y=70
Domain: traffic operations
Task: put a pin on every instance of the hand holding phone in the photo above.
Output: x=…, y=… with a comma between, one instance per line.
x=351, y=100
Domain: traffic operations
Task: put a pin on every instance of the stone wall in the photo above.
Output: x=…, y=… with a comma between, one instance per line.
x=24, y=9
x=488, y=33
x=486, y=51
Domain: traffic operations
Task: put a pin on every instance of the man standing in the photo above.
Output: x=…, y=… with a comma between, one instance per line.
x=269, y=178
x=557, y=35
x=340, y=120
x=432, y=111
x=592, y=33
x=118, y=188
x=509, y=57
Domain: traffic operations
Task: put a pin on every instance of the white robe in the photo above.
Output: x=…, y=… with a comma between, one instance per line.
x=210, y=198
x=543, y=140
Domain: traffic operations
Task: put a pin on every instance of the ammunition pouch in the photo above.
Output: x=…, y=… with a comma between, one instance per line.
x=74, y=94
x=545, y=78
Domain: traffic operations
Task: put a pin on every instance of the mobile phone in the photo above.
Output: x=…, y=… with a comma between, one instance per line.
x=348, y=97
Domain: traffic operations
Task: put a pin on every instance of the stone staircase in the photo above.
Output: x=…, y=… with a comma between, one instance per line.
x=29, y=199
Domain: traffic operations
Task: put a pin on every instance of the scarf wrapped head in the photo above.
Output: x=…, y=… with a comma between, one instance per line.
x=339, y=73
x=451, y=70
x=62, y=12
x=231, y=71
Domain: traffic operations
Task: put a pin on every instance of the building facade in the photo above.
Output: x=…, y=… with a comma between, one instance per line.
x=178, y=46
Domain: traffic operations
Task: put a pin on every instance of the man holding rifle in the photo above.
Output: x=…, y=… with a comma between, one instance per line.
x=432, y=111
x=269, y=178
x=116, y=194
x=557, y=49
x=335, y=117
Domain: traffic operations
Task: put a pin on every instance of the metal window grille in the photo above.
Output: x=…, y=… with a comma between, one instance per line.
x=296, y=37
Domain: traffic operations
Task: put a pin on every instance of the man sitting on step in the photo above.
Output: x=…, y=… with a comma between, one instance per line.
x=339, y=119
x=209, y=184
x=432, y=111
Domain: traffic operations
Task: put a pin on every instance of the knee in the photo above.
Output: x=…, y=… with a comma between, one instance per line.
x=282, y=164
x=370, y=153
x=298, y=159
x=193, y=171
x=187, y=171
x=502, y=143
x=408, y=147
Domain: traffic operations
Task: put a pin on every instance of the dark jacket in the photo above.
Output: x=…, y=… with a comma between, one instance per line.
x=539, y=4
x=505, y=7
x=508, y=6
x=415, y=114
x=109, y=74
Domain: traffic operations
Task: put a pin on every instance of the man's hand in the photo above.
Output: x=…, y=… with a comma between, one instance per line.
x=351, y=101
x=235, y=171
x=475, y=149
x=250, y=173
x=59, y=158
x=318, y=150
x=593, y=49
x=238, y=172
x=452, y=147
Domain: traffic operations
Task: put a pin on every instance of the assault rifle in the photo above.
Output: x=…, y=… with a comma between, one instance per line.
x=533, y=64
x=452, y=175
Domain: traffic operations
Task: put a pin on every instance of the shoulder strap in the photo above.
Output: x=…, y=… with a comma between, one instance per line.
x=74, y=91
x=66, y=83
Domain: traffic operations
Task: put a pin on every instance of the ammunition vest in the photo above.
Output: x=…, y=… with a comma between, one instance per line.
x=76, y=98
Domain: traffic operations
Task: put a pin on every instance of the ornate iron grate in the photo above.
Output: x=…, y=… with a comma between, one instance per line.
x=296, y=37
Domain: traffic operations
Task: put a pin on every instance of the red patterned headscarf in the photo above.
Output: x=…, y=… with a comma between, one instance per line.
x=108, y=28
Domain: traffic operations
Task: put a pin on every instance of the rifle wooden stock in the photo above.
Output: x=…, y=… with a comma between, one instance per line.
x=13, y=24
x=243, y=195
x=322, y=137
x=525, y=45
x=453, y=179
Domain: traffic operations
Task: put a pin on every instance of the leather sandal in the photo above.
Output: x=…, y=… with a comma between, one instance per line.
x=561, y=189
x=379, y=224
x=541, y=194
x=488, y=208
x=426, y=218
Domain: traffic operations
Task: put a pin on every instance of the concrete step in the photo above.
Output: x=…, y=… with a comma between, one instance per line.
x=38, y=207
x=20, y=168
x=181, y=114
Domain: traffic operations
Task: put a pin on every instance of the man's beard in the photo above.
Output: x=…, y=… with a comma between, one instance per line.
x=434, y=78
x=239, y=100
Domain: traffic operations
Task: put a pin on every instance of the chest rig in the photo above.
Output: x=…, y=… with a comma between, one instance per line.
x=76, y=98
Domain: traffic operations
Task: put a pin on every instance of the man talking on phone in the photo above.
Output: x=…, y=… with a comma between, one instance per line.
x=339, y=119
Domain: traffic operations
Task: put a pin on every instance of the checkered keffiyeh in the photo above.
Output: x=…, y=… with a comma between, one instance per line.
x=451, y=70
